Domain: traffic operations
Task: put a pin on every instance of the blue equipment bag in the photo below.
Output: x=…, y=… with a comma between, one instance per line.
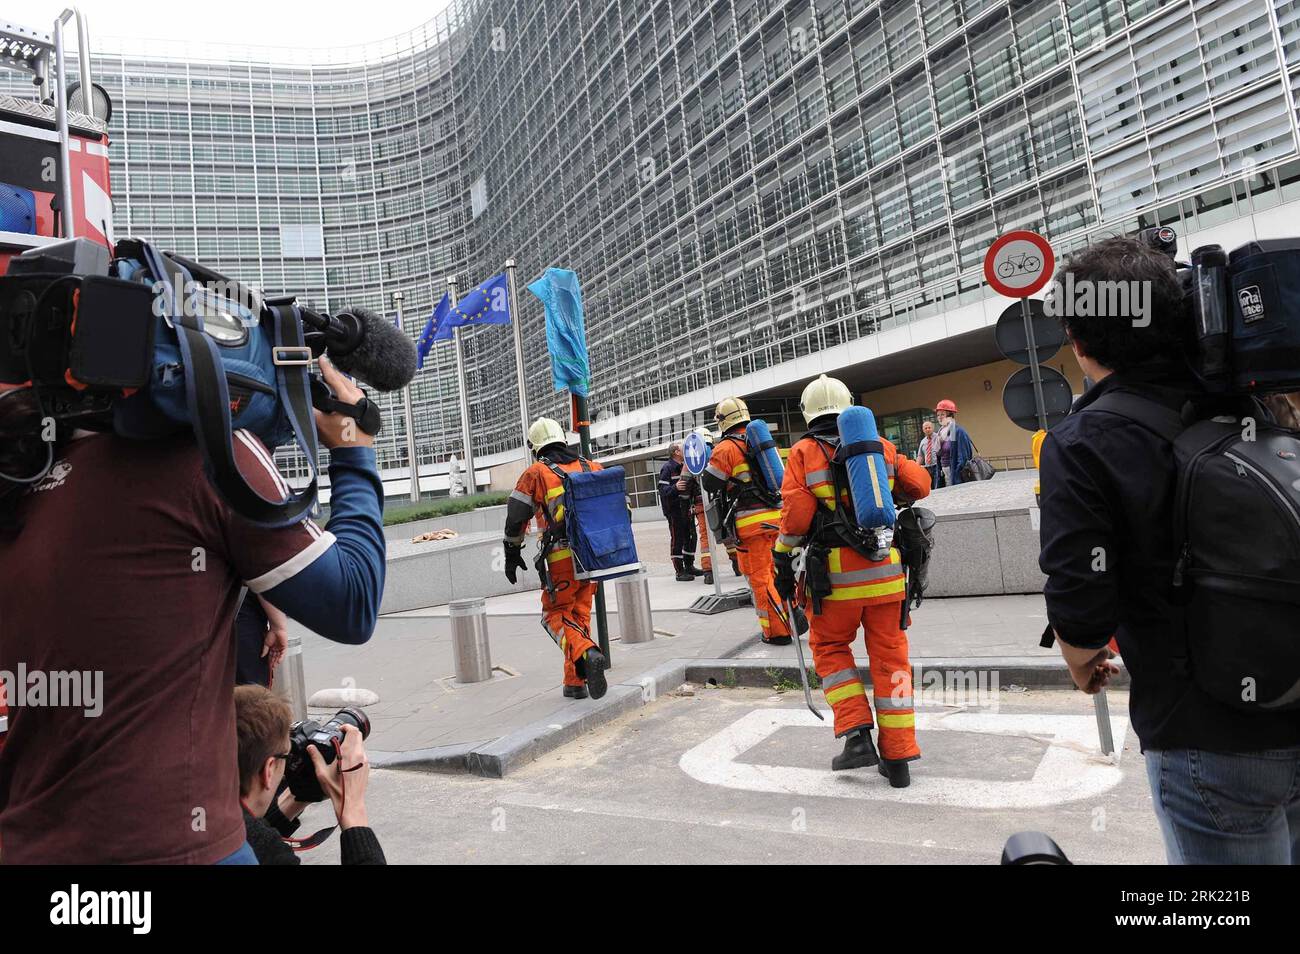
x=598, y=524
x=766, y=459
x=248, y=371
x=863, y=455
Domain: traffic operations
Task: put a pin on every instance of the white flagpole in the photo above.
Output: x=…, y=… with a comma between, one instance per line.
x=409, y=414
x=516, y=320
x=471, y=485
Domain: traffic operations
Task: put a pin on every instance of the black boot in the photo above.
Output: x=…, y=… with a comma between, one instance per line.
x=899, y=775
x=684, y=577
x=575, y=692
x=592, y=671
x=694, y=570
x=708, y=577
x=777, y=640
x=859, y=751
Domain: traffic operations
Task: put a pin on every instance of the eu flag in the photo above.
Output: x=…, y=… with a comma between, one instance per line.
x=489, y=304
x=430, y=333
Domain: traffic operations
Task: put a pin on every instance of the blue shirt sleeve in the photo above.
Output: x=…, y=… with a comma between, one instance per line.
x=337, y=595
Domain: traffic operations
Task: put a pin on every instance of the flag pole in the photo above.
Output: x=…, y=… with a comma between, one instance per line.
x=471, y=487
x=516, y=320
x=583, y=426
x=409, y=415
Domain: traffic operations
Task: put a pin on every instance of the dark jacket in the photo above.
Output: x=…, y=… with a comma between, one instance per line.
x=266, y=835
x=671, y=500
x=1107, y=494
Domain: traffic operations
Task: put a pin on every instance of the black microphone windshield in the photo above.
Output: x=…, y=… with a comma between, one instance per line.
x=384, y=358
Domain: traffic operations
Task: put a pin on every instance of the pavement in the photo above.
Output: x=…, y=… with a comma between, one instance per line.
x=708, y=775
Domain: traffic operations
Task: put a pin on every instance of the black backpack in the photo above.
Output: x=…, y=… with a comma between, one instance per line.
x=1236, y=578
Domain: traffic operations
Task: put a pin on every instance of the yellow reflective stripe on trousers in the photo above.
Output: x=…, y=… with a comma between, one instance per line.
x=846, y=691
x=763, y=516
x=556, y=555
x=887, y=721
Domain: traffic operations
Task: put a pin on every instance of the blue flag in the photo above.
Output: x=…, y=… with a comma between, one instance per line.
x=566, y=329
x=429, y=335
x=489, y=304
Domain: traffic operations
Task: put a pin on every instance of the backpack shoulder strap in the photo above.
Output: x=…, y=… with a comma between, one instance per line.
x=1161, y=420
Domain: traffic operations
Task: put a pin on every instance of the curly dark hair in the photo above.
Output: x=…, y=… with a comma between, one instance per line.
x=1116, y=340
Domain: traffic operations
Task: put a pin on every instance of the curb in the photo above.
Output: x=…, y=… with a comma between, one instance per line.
x=1033, y=672
x=497, y=758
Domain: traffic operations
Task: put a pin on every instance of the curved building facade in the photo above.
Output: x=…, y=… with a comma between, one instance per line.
x=751, y=191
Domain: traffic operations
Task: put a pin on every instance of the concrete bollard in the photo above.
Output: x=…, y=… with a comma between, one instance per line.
x=469, y=635
x=633, y=596
x=290, y=684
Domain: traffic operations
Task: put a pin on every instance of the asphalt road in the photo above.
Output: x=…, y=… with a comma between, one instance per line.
x=742, y=776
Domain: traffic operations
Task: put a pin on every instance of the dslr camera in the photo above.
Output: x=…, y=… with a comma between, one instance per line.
x=299, y=772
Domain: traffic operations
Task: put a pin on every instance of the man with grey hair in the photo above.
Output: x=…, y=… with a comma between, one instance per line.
x=675, y=501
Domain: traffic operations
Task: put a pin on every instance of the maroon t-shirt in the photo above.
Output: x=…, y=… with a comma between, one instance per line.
x=129, y=564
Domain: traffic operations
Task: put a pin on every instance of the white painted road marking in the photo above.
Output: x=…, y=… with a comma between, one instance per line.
x=1072, y=768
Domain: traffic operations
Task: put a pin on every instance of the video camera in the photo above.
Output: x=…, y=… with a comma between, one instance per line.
x=149, y=344
x=1245, y=309
x=299, y=772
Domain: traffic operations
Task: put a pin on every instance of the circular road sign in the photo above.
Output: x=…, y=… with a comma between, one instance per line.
x=696, y=454
x=1019, y=264
x=1009, y=333
x=1018, y=398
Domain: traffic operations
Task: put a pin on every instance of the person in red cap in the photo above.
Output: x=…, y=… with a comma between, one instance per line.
x=955, y=446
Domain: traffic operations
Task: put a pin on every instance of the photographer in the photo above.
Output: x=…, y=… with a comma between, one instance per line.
x=1223, y=780
x=129, y=565
x=262, y=721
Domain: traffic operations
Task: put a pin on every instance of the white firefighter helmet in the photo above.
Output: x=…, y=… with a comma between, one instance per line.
x=731, y=411
x=706, y=434
x=824, y=396
x=543, y=432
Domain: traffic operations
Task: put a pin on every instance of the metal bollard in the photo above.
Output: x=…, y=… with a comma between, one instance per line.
x=633, y=595
x=469, y=635
x=290, y=685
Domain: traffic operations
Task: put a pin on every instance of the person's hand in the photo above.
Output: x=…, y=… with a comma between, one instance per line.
x=514, y=561
x=277, y=636
x=1090, y=669
x=338, y=430
x=681, y=485
x=344, y=780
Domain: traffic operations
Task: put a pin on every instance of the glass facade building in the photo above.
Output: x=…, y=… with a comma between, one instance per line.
x=739, y=184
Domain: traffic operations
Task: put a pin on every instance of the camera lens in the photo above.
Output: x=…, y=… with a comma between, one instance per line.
x=351, y=715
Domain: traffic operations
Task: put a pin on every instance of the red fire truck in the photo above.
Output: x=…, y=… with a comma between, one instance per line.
x=53, y=153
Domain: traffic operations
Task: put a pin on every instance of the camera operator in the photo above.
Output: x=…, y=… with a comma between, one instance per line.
x=262, y=720
x=1223, y=780
x=129, y=564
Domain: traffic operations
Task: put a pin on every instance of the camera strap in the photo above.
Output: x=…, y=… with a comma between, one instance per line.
x=208, y=398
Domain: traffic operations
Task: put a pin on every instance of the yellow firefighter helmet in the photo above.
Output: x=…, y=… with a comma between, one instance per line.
x=543, y=432
x=731, y=411
x=824, y=396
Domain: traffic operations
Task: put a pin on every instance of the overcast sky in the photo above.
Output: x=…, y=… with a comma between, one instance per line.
x=255, y=22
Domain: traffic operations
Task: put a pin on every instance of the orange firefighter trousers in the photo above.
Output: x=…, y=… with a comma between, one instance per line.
x=831, y=640
x=567, y=613
x=755, y=557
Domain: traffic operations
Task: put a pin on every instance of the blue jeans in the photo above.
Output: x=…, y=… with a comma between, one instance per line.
x=1222, y=808
x=243, y=855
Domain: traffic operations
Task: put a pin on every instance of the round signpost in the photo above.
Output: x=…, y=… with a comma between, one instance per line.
x=1013, y=342
x=695, y=454
x=1021, y=397
x=1017, y=265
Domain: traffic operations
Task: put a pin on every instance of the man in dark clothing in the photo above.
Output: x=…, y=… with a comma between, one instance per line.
x=1223, y=781
x=262, y=720
x=675, y=500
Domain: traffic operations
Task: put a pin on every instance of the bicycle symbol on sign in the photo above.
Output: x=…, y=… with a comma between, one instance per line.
x=1022, y=264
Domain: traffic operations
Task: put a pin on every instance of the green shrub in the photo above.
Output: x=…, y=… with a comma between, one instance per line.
x=406, y=512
